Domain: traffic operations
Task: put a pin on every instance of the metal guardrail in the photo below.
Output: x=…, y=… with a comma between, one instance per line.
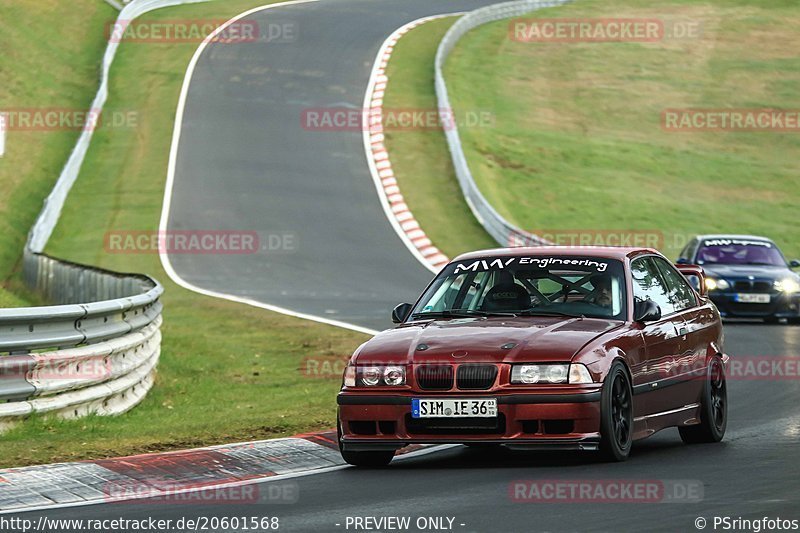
x=96, y=351
x=504, y=232
x=79, y=358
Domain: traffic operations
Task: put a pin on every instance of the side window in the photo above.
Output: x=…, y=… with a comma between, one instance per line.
x=688, y=251
x=680, y=293
x=649, y=285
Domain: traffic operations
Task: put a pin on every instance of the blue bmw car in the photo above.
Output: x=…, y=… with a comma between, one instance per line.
x=747, y=276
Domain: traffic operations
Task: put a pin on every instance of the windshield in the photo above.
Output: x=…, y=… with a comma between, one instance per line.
x=558, y=286
x=739, y=252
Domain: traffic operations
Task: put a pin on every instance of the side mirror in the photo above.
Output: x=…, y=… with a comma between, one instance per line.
x=794, y=263
x=647, y=311
x=400, y=313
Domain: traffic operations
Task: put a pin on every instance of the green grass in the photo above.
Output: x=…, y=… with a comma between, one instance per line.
x=577, y=143
x=51, y=53
x=228, y=372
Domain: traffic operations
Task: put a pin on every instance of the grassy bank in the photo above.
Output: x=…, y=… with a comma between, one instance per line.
x=228, y=372
x=51, y=53
x=578, y=142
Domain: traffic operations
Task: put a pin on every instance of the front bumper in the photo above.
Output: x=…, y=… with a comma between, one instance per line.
x=781, y=305
x=543, y=421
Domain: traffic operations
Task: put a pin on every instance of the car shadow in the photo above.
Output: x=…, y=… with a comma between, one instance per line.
x=666, y=445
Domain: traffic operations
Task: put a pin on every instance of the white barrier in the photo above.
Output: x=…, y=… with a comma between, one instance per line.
x=3, y=123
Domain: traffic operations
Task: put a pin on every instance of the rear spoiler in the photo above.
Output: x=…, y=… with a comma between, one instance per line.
x=696, y=271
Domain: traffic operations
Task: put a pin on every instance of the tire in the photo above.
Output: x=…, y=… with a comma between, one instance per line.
x=714, y=408
x=377, y=459
x=616, y=415
x=794, y=320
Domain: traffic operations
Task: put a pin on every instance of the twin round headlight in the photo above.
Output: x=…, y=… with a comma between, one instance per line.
x=713, y=284
x=530, y=374
x=788, y=285
x=372, y=376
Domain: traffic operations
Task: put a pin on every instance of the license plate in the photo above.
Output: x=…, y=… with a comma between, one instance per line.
x=454, y=408
x=752, y=298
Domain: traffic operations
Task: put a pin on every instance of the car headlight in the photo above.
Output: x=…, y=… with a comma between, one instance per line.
x=372, y=376
x=530, y=374
x=394, y=375
x=788, y=285
x=527, y=374
x=557, y=373
x=713, y=284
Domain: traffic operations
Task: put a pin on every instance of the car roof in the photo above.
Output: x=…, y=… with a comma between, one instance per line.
x=607, y=252
x=733, y=236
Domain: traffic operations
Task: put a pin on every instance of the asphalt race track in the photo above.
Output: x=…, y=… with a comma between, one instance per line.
x=246, y=163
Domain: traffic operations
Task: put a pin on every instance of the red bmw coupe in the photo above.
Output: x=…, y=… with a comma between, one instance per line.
x=544, y=348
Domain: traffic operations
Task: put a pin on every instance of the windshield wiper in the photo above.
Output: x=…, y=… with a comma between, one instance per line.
x=446, y=314
x=459, y=313
x=536, y=312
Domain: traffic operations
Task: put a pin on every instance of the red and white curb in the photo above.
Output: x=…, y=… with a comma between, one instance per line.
x=380, y=164
x=173, y=477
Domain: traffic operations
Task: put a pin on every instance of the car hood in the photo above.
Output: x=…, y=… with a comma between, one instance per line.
x=738, y=271
x=484, y=339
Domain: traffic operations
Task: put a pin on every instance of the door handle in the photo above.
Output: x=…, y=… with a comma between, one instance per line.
x=682, y=331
